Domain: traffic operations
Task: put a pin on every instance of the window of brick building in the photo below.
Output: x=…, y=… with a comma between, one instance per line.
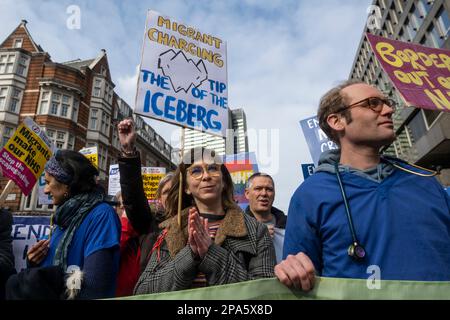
x=22, y=65
x=18, y=43
x=10, y=99
x=102, y=156
x=93, y=119
x=108, y=93
x=104, y=125
x=97, y=90
x=14, y=104
x=43, y=106
x=6, y=134
x=61, y=139
x=59, y=103
x=7, y=63
x=76, y=105
x=3, y=96
x=71, y=142
x=65, y=105
x=56, y=101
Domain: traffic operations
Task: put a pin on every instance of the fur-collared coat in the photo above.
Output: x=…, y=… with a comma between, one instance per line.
x=242, y=250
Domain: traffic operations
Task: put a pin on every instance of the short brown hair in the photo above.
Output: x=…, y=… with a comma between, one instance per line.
x=331, y=102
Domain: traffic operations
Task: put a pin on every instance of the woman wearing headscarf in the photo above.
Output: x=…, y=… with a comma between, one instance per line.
x=84, y=241
x=216, y=243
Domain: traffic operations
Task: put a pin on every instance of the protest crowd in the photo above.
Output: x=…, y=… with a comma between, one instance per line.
x=160, y=232
x=372, y=210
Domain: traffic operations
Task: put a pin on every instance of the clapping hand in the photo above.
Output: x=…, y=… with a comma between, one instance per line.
x=199, y=238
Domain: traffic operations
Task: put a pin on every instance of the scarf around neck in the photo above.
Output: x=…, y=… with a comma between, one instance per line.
x=69, y=216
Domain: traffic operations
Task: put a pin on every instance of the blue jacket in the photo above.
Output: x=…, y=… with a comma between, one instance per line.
x=402, y=220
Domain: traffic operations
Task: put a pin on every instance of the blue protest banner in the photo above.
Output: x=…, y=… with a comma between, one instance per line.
x=307, y=169
x=26, y=231
x=317, y=140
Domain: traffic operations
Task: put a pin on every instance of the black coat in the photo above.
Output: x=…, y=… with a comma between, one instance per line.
x=280, y=217
x=6, y=253
x=136, y=206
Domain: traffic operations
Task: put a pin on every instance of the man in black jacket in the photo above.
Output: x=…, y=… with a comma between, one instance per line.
x=6, y=253
x=260, y=192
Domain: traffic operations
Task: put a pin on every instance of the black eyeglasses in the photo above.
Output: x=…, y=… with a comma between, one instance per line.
x=374, y=103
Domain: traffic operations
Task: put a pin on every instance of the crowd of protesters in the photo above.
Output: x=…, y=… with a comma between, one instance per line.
x=358, y=209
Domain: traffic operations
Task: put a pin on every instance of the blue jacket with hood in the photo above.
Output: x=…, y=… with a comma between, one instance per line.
x=402, y=220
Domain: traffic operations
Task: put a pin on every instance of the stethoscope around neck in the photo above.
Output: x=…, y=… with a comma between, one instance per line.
x=356, y=249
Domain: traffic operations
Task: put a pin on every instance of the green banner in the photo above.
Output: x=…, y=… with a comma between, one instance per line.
x=325, y=288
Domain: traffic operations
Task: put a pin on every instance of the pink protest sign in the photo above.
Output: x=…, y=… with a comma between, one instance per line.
x=16, y=170
x=23, y=157
x=421, y=74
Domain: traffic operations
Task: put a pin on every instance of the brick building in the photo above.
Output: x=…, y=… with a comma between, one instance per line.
x=74, y=102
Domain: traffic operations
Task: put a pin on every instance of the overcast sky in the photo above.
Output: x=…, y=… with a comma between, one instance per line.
x=282, y=56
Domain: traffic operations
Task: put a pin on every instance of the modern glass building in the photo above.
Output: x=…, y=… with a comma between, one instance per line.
x=236, y=140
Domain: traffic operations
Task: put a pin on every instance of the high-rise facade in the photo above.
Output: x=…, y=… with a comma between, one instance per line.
x=235, y=142
x=423, y=136
x=74, y=102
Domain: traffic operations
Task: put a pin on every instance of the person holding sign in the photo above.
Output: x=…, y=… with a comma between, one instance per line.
x=216, y=242
x=362, y=214
x=84, y=243
x=140, y=226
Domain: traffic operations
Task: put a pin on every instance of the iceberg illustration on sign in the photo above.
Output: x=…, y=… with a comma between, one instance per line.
x=182, y=72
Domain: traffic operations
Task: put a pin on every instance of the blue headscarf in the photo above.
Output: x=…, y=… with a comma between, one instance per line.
x=52, y=167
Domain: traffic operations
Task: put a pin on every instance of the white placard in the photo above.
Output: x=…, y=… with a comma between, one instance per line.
x=183, y=76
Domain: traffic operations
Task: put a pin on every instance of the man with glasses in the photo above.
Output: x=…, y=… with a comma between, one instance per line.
x=363, y=214
x=260, y=193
